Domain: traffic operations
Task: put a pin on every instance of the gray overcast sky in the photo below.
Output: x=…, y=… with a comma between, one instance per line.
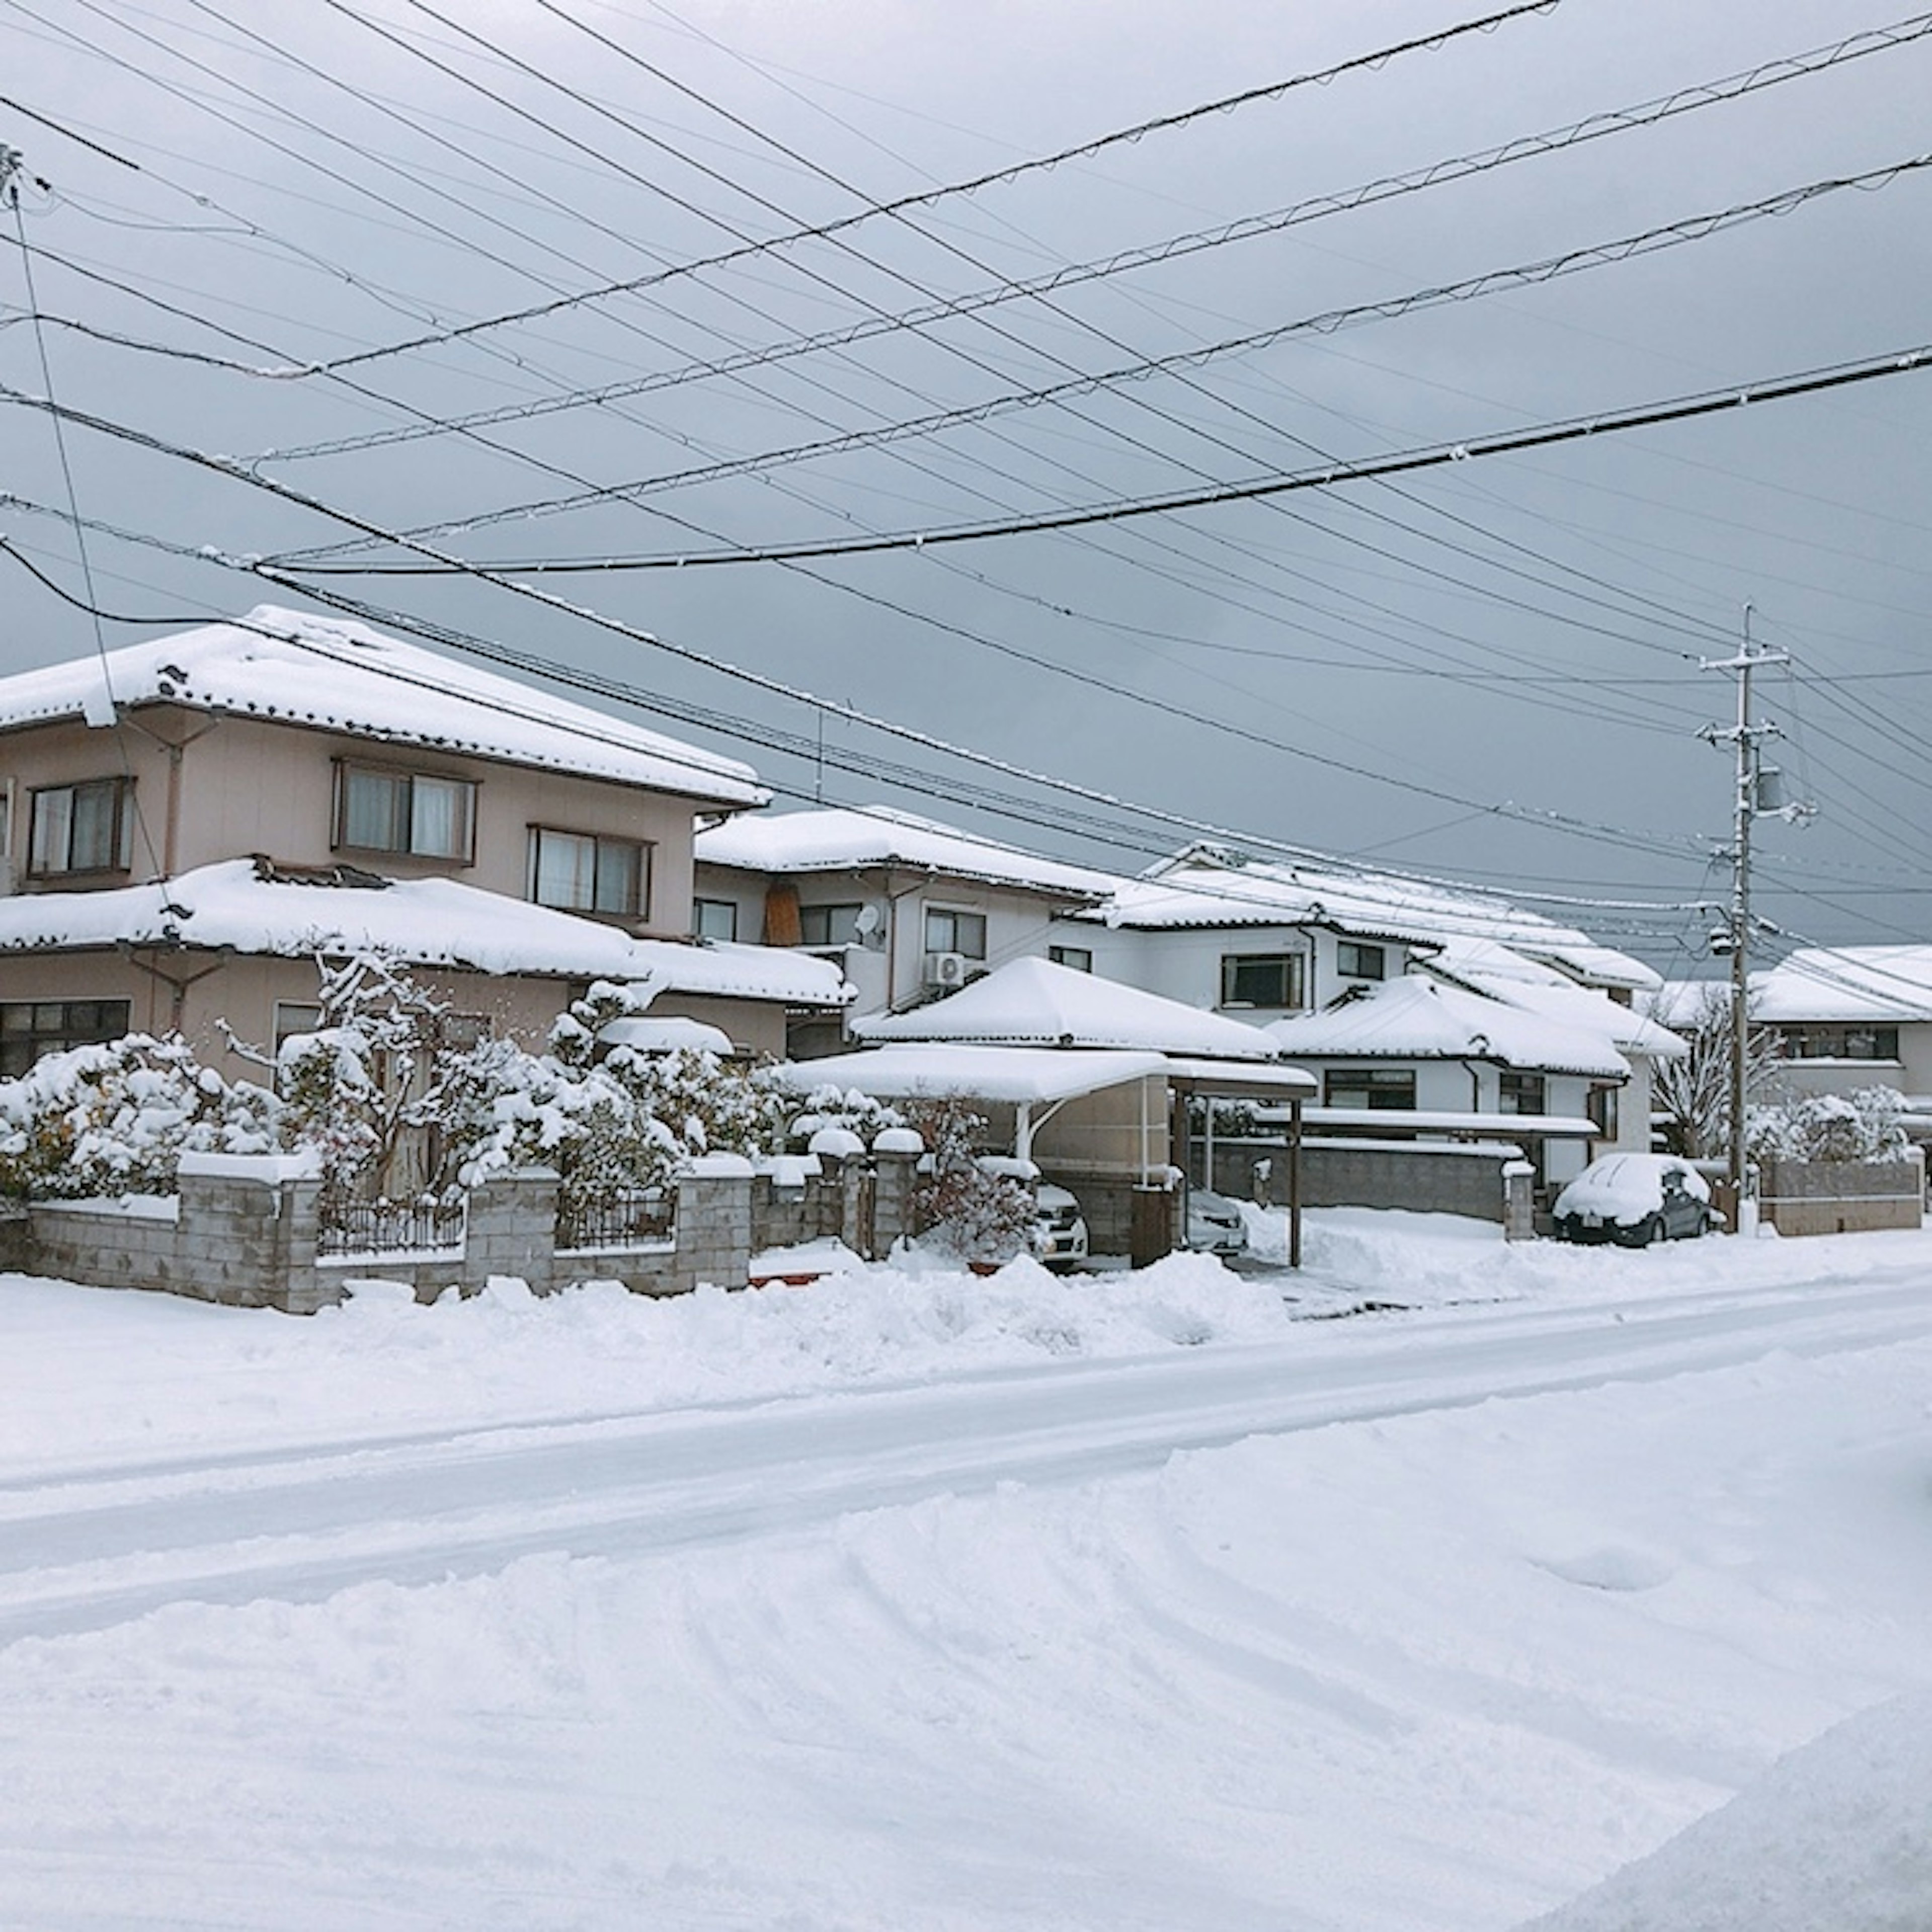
x=1380, y=666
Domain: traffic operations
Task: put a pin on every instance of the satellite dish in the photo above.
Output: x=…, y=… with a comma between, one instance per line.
x=867, y=921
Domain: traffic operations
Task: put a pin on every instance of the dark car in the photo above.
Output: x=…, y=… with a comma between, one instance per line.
x=1634, y=1199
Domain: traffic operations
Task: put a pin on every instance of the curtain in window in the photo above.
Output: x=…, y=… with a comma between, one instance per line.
x=439, y=817
x=566, y=871
x=617, y=877
x=93, y=849
x=53, y=823
x=369, y=814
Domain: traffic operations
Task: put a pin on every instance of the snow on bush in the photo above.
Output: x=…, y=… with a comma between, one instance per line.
x=1862, y=1125
x=964, y=1207
x=116, y=1119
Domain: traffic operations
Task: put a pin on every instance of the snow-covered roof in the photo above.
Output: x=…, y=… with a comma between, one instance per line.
x=426, y=921
x=331, y=674
x=1204, y=887
x=1887, y=983
x=843, y=840
x=1023, y=1076
x=1034, y=1002
x=1418, y=1018
x=1498, y=973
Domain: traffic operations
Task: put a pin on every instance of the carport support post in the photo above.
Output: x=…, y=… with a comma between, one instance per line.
x=1294, y=1183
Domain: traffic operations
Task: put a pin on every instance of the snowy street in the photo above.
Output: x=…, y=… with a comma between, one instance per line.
x=1122, y=1600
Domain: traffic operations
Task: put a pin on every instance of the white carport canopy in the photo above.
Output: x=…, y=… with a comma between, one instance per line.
x=1037, y=1080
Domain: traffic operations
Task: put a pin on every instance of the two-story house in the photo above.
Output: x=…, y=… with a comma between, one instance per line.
x=909, y=909
x=517, y=845
x=1334, y=955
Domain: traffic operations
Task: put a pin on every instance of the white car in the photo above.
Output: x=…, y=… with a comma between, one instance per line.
x=1634, y=1199
x=1215, y=1225
x=1058, y=1238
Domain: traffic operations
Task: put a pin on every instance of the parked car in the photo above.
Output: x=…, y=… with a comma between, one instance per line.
x=1215, y=1225
x=1059, y=1234
x=1634, y=1199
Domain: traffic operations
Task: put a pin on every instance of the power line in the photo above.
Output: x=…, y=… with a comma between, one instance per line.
x=757, y=680
x=1780, y=388
x=1695, y=228
x=927, y=197
x=1248, y=227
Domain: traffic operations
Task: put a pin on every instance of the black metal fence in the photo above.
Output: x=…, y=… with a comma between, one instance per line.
x=624, y=1219
x=351, y=1227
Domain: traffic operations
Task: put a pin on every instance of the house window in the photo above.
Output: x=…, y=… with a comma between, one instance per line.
x=1262, y=980
x=1356, y=961
x=380, y=810
x=30, y=1029
x=82, y=828
x=955, y=932
x=1079, y=957
x=1840, y=1042
x=1389, y=1089
x=583, y=872
x=1600, y=1104
x=829, y=924
x=714, y=918
x=1521, y=1092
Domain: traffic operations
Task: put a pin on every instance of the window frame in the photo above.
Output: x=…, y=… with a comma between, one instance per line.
x=640, y=849
x=57, y=1036
x=1074, y=958
x=121, y=828
x=402, y=811
x=823, y=914
x=699, y=906
x=958, y=921
x=1600, y=1106
x=1513, y=1085
x=1803, y=1040
x=1369, y=1080
x=1362, y=952
x=1293, y=981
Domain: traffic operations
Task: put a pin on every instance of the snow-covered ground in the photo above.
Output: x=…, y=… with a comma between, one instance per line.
x=913, y=1599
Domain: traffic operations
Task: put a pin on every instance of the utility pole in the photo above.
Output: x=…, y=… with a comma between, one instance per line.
x=1754, y=800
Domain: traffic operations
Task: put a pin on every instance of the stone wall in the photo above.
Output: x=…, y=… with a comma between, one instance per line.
x=244, y=1231
x=1847, y=1197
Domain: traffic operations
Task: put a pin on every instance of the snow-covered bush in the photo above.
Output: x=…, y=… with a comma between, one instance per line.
x=1862, y=1126
x=116, y=1119
x=830, y=1106
x=958, y=1204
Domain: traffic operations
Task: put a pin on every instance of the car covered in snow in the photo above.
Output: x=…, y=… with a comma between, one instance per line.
x=1215, y=1225
x=1058, y=1236
x=1634, y=1199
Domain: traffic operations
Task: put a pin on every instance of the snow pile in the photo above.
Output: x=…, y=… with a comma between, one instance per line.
x=1837, y=1833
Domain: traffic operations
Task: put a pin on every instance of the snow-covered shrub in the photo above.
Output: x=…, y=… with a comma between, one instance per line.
x=959, y=1204
x=116, y=1119
x=830, y=1106
x=1860, y=1126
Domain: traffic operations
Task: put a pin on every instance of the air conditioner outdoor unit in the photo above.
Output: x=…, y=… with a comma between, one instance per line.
x=946, y=969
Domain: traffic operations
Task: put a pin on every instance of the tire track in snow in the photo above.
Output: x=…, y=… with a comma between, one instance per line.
x=84, y=1554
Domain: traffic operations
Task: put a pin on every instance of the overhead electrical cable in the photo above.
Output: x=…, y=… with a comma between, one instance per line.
x=1571, y=261
x=775, y=687
x=927, y=197
x=1683, y=409
x=1068, y=275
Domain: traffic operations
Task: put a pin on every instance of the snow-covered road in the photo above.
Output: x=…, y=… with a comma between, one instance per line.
x=80, y=1552
x=1143, y=1603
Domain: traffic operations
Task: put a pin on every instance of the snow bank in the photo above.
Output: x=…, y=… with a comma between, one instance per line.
x=1837, y=1834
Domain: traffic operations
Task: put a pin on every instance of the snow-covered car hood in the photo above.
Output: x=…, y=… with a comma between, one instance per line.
x=1626, y=1188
